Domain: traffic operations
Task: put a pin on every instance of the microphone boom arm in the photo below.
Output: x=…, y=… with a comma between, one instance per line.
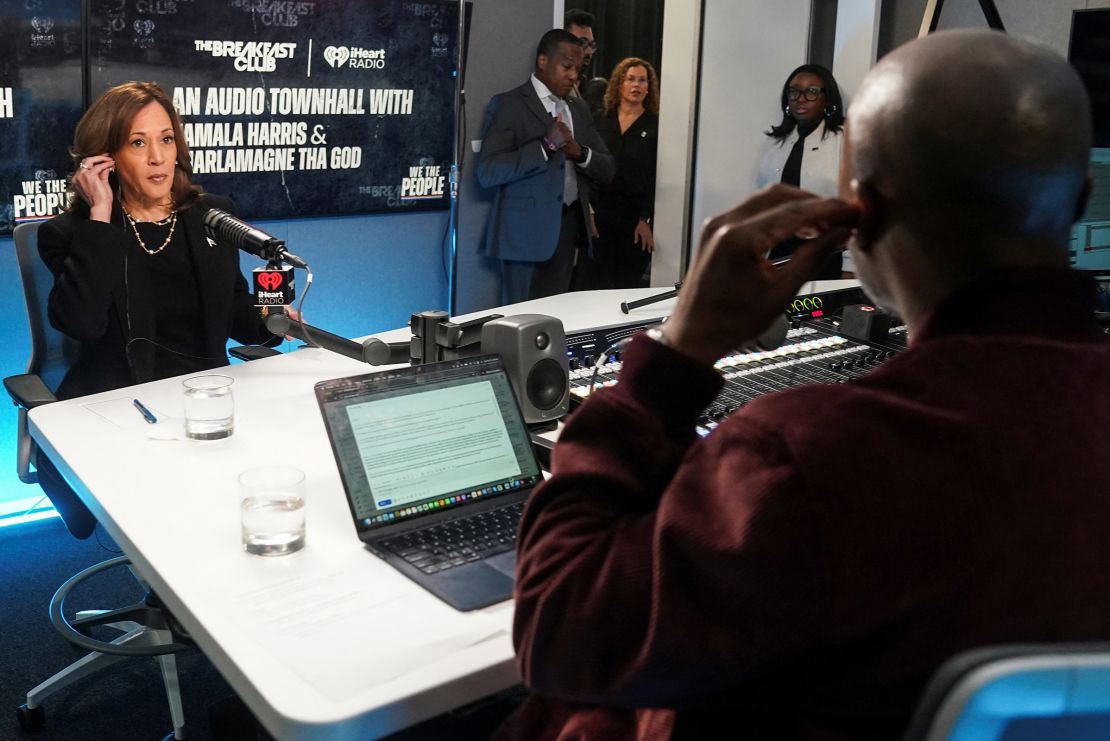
x=372, y=350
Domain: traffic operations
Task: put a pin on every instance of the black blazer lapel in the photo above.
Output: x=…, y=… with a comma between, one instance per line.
x=211, y=271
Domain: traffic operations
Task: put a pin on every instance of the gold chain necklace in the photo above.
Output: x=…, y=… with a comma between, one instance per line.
x=171, y=220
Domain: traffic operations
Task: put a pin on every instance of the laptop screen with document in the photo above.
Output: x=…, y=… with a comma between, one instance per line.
x=417, y=440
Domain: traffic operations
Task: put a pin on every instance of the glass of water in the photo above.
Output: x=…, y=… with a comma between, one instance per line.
x=209, y=407
x=271, y=510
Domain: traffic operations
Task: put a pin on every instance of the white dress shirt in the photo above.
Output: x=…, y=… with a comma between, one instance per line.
x=555, y=105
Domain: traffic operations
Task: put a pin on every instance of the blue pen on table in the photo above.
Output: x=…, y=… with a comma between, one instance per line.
x=147, y=414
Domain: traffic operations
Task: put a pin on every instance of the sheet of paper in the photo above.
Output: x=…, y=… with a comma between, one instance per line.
x=329, y=630
x=123, y=414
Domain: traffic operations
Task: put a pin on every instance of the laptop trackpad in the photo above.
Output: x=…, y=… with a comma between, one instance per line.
x=470, y=586
x=504, y=562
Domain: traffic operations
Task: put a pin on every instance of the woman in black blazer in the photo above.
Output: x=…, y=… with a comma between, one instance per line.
x=136, y=280
x=629, y=126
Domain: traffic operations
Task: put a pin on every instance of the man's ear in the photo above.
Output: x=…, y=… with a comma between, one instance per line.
x=1084, y=198
x=541, y=62
x=872, y=219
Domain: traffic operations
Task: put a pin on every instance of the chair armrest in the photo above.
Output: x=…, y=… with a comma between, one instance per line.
x=28, y=391
x=252, y=352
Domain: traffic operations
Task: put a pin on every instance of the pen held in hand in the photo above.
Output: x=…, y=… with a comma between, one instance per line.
x=782, y=261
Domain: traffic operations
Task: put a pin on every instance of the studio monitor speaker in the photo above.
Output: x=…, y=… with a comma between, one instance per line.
x=534, y=349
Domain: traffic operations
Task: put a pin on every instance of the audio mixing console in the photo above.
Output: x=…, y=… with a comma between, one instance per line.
x=815, y=351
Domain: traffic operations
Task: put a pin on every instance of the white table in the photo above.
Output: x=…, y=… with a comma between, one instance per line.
x=330, y=642
x=170, y=505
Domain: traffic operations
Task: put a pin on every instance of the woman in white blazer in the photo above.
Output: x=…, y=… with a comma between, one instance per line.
x=804, y=149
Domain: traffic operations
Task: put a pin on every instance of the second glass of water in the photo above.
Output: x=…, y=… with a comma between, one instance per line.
x=271, y=508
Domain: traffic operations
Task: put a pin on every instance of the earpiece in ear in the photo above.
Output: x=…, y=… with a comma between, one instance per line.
x=870, y=225
x=786, y=110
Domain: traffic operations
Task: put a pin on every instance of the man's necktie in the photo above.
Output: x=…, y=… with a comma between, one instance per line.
x=570, y=177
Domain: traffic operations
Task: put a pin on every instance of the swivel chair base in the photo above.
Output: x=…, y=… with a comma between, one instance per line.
x=147, y=631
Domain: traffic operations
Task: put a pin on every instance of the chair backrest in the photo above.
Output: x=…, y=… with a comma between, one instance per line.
x=52, y=353
x=1006, y=693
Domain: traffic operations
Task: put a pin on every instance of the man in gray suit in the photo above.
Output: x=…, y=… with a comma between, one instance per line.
x=541, y=151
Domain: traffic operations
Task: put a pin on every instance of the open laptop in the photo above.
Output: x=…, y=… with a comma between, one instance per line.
x=437, y=464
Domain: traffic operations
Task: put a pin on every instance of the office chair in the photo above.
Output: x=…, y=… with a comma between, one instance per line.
x=147, y=629
x=52, y=353
x=1018, y=693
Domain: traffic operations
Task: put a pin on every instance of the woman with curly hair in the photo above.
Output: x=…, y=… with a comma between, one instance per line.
x=629, y=126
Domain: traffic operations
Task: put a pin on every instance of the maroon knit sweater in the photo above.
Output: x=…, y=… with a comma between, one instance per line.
x=802, y=571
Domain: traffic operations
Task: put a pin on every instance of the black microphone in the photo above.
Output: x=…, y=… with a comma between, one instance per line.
x=627, y=306
x=223, y=227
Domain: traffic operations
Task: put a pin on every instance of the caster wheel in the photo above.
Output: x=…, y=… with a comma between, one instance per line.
x=31, y=719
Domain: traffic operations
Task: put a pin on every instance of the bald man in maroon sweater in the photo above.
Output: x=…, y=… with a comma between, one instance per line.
x=803, y=570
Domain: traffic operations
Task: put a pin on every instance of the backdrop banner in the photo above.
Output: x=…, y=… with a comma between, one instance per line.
x=40, y=104
x=297, y=108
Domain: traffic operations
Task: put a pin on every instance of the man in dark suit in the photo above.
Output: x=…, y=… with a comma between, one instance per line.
x=542, y=152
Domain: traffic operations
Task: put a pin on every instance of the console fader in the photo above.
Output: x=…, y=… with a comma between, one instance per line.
x=815, y=351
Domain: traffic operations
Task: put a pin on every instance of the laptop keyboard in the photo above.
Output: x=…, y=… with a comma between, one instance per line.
x=456, y=542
